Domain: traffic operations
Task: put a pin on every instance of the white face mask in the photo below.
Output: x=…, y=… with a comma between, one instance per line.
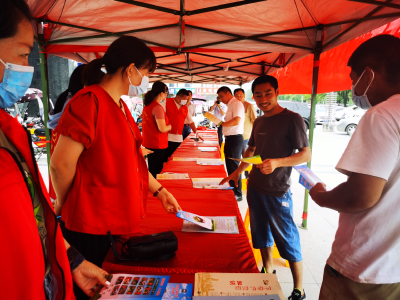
x=183, y=102
x=134, y=90
x=361, y=101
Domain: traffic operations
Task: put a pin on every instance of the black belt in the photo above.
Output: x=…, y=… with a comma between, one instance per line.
x=186, y=124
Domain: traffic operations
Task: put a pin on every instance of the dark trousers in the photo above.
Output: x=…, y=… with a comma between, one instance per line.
x=156, y=161
x=220, y=138
x=172, y=146
x=233, y=148
x=186, y=131
x=93, y=247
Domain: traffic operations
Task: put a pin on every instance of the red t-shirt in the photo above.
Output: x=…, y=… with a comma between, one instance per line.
x=111, y=181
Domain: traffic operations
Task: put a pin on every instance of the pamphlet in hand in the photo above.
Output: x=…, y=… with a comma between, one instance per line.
x=128, y=286
x=209, y=161
x=210, y=183
x=208, y=149
x=255, y=160
x=307, y=177
x=178, y=291
x=167, y=175
x=222, y=225
x=213, y=118
x=196, y=219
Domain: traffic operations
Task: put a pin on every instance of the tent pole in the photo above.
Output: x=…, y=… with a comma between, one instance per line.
x=45, y=87
x=317, y=53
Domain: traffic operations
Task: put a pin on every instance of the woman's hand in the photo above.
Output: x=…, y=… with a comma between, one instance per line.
x=146, y=151
x=169, y=202
x=89, y=277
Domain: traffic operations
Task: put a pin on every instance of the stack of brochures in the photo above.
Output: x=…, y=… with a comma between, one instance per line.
x=210, y=161
x=196, y=223
x=237, y=286
x=210, y=183
x=168, y=175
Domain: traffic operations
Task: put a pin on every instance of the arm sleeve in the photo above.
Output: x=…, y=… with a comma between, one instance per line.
x=298, y=134
x=188, y=119
x=79, y=119
x=373, y=149
x=238, y=110
x=158, y=113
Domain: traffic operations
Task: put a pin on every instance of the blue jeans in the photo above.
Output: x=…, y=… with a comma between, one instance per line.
x=271, y=218
x=245, y=142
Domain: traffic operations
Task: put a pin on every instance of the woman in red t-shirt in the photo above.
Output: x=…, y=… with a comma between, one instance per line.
x=155, y=127
x=98, y=173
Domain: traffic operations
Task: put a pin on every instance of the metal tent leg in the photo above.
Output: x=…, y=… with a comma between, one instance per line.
x=317, y=53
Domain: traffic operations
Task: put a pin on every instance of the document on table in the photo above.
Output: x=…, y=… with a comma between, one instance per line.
x=210, y=183
x=173, y=176
x=208, y=149
x=209, y=161
x=183, y=159
x=213, y=118
x=208, y=136
x=308, y=179
x=255, y=160
x=198, y=221
x=226, y=225
x=210, y=142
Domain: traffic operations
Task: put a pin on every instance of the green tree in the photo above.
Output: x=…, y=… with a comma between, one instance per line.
x=344, y=97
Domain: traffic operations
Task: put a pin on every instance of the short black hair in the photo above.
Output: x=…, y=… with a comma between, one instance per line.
x=224, y=89
x=264, y=79
x=12, y=12
x=182, y=92
x=239, y=90
x=381, y=54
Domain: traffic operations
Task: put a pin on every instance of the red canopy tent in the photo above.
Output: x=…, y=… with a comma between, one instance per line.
x=204, y=41
x=333, y=70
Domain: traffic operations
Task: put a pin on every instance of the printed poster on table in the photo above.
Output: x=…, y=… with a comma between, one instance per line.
x=236, y=284
x=196, y=219
x=128, y=286
x=210, y=183
x=227, y=225
x=178, y=291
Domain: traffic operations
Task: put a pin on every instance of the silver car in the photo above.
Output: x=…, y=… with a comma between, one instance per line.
x=348, y=125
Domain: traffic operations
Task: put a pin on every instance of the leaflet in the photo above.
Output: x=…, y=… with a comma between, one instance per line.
x=179, y=291
x=226, y=225
x=210, y=142
x=208, y=149
x=183, y=159
x=209, y=161
x=213, y=118
x=308, y=179
x=196, y=219
x=210, y=183
x=255, y=160
x=128, y=286
x=173, y=176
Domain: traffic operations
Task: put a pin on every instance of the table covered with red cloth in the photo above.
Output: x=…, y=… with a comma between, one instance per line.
x=197, y=252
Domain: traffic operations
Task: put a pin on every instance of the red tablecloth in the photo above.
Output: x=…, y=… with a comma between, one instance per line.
x=197, y=252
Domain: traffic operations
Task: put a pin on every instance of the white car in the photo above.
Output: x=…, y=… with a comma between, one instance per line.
x=349, y=112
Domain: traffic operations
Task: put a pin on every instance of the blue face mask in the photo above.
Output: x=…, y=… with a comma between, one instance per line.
x=134, y=90
x=361, y=101
x=16, y=82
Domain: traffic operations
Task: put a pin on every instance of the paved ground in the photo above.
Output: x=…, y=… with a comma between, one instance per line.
x=316, y=241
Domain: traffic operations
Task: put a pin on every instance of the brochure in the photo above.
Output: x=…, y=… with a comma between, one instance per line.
x=183, y=159
x=260, y=297
x=255, y=160
x=209, y=136
x=308, y=179
x=178, y=291
x=210, y=183
x=208, y=149
x=173, y=176
x=222, y=225
x=210, y=142
x=128, y=286
x=210, y=161
x=213, y=118
x=236, y=284
x=196, y=219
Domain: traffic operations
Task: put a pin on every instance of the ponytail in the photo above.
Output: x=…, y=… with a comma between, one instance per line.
x=149, y=98
x=157, y=88
x=92, y=74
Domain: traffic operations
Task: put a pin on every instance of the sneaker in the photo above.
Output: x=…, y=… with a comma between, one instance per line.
x=263, y=271
x=296, y=295
x=238, y=198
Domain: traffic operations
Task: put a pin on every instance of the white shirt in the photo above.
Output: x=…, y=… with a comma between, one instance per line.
x=235, y=109
x=367, y=244
x=177, y=138
x=191, y=112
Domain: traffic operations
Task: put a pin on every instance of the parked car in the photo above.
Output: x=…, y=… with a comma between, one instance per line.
x=348, y=125
x=320, y=114
x=298, y=107
x=349, y=112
